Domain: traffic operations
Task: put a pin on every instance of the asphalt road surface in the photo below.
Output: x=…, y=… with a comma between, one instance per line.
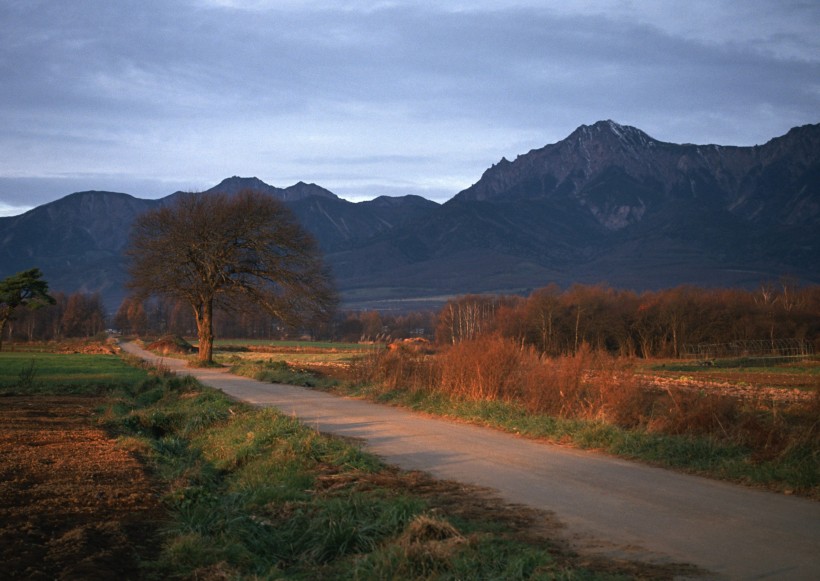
x=608, y=505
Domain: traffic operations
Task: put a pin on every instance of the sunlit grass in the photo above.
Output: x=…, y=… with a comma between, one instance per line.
x=240, y=351
x=304, y=345
x=292, y=358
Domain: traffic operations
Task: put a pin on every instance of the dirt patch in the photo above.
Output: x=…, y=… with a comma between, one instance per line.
x=72, y=505
x=777, y=387
x=171, y=345
x=87, y=347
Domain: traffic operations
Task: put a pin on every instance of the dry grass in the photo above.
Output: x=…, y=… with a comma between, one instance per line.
x=590, y=385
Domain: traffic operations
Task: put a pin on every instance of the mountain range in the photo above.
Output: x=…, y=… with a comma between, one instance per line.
x=608, y=204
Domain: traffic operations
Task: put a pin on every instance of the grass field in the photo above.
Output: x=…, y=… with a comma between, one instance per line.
x=294, y=358
x=804, y=366
x=64, y=373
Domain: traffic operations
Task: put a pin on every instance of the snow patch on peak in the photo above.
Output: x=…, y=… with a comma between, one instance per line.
x=616, y=128
x=627, y=134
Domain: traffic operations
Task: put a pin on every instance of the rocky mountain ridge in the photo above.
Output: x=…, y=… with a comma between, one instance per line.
x=607, y=204
x=619, y=173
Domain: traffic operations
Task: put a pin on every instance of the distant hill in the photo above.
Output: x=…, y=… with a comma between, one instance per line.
x=607, y=204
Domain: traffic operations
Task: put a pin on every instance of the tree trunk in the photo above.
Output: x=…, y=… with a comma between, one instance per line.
x=205, y=328
x=577, y=325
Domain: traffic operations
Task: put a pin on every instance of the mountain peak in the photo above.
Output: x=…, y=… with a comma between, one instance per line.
x=610, y=130
x=619, y=175
x=298, y=191
x=301, y=190
x=235, y=184
x=557, y=166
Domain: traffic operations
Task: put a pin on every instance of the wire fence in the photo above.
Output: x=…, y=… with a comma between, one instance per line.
x=759, y=352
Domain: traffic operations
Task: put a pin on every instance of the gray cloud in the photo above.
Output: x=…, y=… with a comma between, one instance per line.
x=376, y=97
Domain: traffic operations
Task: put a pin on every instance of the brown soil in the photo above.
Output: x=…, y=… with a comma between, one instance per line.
x=72, y=505
x=171, y=345
x=87, y=348
x=779, y=387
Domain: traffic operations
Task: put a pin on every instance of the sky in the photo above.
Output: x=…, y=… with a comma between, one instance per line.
x=398, y=97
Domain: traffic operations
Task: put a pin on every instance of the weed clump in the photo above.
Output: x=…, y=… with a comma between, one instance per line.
x=430, y=544
x=27, y=375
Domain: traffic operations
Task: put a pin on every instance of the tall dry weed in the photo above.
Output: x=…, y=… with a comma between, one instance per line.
x=686, y=411
x=487, y=368
x=587, y=384
x=408, y=369
x=594, y=385
x=590, y=385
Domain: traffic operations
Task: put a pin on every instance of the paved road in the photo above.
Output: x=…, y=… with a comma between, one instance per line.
x=609, y=505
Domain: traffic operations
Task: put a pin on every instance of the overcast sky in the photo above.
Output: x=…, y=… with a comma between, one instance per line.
x=369, y=98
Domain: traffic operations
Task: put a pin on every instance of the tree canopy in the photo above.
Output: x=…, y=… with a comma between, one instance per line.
x=213, y=250
x=22, y=289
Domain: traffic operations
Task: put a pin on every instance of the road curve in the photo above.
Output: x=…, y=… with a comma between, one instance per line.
x=608, y=505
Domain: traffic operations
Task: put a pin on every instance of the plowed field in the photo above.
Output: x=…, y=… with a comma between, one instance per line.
x=72, y=504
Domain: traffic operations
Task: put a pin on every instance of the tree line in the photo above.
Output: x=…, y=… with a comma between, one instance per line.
x=555, y=321
x=75, y=315
x=168, y=316
x=622, y=322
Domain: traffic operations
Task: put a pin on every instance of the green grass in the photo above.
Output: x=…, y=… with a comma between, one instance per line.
x=64, y=373
x=805, y=366
x=280, y=372
x=254, y=494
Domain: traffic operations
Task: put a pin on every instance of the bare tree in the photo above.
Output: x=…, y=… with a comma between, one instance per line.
x=218, y=251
